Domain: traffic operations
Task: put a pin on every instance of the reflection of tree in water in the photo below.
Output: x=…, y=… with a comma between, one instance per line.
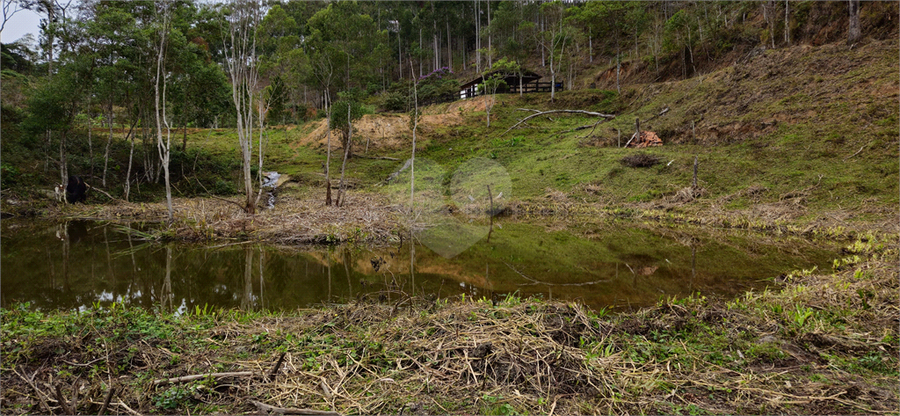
x=167, y=298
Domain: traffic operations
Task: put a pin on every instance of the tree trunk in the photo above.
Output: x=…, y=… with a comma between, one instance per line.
x=449, y=48
x=490, y=51
x=328, y=152
x=163, y=146
x=90, y=145
x=435, y=42
x=618, y=68
x=63, y=163
x=787, y=23
x=108, y=143
x=591, y=46
x=340, y=198
x=412, y=164
x=854, y=32
x=420, y=47
x=128, y=173
x=477, y=36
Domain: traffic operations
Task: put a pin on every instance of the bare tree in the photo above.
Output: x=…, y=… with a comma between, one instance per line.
x=412, y=164
x=163, y=146
x=323, y=69
x=242, y=64
x=10, y=8
x=553, y=39
x=265, y=102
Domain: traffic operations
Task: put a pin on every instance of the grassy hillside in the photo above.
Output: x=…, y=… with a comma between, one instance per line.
x=801, y=134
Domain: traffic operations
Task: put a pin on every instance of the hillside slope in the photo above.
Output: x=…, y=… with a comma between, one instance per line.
x=805, y=133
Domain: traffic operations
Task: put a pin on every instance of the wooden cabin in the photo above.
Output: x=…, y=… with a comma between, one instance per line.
x=530, y=83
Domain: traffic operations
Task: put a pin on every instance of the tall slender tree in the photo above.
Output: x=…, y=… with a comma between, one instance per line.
x=163, y=146
x=242, y=63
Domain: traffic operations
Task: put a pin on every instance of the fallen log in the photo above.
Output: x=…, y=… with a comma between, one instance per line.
x=541, y=113
x=289, y=410
x=94, y=188
x=374, y=157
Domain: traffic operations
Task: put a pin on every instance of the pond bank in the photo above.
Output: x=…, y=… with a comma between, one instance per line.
x=371, y=218
x=825, y=343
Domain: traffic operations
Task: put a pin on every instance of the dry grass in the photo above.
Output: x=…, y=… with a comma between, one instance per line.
x=364, y=217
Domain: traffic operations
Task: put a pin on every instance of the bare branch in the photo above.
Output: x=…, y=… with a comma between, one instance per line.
x=540, y=113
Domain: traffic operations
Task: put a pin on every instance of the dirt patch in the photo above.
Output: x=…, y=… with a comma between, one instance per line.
x=393, y=131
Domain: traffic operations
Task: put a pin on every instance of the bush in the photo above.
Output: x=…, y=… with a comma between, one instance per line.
x=393, y=101
x=438, y=87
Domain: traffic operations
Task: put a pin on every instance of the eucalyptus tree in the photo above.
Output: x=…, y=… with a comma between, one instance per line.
x=342, y=46
x=113, y=29
x=164, y=13
x=281, y=57
x=553, y=38
x=512, y=39
x=680, y=37
x=343, y=113
x=242, y=62
x=493, y=80
x=53, y=106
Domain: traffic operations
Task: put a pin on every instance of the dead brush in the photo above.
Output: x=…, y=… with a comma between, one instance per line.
x=640, y=160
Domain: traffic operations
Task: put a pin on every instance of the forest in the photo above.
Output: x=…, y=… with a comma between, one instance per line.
x=126, y=81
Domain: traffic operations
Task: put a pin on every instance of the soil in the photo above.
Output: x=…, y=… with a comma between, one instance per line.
x=394, y=131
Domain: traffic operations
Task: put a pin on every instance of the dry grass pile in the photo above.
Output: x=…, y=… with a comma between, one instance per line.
x=640, y=160
x=364, y=217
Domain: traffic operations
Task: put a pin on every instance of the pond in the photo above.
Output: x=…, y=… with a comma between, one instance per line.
x=77, y=264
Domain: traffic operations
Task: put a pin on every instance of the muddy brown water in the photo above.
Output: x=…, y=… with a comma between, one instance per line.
x=78, y=264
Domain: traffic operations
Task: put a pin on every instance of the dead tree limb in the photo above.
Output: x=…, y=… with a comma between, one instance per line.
x=209, y=194
x=534, y=111
x=593, y=127
x=112, y=391
x=857, y=152
x=277, y=365
x=629, y=140
x=94, y=188
x=62, y=401
x=664, y=111
x=374, y=157
x=38, y=392
x=289, y=410
x=590, y=113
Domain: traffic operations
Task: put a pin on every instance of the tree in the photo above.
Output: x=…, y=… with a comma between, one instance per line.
x=242, y=63
x=553, y=39
x=53, y=106
x=162, y=146
x=343, y=113
x=494, y=81
x=853, y=31
x=679, y=38
x=607, y=20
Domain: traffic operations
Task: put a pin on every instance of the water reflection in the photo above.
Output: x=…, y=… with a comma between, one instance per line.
x=76, y=264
